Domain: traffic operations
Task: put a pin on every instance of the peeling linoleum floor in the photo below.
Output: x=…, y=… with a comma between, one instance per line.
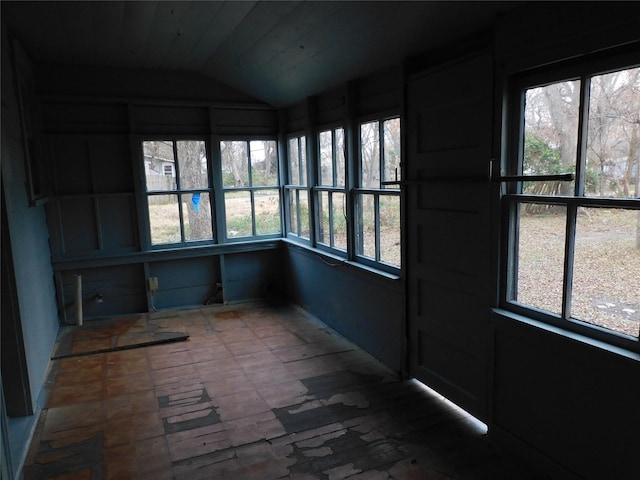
x=256, y=392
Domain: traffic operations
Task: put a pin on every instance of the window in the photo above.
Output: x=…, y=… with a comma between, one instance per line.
x=377, y=198
x=179, y=205
x=574, y=246
x=297, y=190
x=356, y=202
x=251, y=188
x=330, y=193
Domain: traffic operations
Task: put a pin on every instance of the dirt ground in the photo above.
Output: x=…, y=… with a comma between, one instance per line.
x=606, y=287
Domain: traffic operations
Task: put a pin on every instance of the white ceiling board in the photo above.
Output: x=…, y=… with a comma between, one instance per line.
x=106, y=29
x=226, y=21
x=286, y=42
x=191, y=27
x=136, y=32
x=278, y=51
x=231, y=56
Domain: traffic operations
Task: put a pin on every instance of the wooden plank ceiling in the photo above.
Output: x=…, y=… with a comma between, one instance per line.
x=278, y=52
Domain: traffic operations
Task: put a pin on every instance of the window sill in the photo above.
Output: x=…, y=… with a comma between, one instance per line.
x=334, y=260
x=566, y=334
x=165, y=253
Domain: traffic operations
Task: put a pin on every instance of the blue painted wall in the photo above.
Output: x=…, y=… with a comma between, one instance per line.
x=365, y=307
x=185, y=282
x=252, y=275
x=32, y=263
x=97, y=217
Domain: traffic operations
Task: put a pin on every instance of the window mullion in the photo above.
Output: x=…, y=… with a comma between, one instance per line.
x=330, y=207
x=176, y=165
x=253, y=210
x=251, y=191
x=569, y=251
x=583, y=121
x=181, y=216
x=301, y=153
x=511, y=272
x=381, y=153
x=249, y=173
x=297, y=207
x=572, y=207
x=376, y=216
x=334, y=158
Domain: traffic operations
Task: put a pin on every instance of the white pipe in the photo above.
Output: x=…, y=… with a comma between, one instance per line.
x=78, y=300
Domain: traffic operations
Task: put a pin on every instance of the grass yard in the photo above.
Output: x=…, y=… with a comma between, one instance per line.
x=606, y=286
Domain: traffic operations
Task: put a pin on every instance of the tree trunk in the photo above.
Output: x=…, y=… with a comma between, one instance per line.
x=194, y=176
x=564, y=116
x=200, y=221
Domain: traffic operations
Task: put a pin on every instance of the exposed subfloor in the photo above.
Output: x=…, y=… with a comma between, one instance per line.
x=256, y=392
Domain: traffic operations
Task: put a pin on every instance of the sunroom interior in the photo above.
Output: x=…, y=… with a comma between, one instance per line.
x=362, y=161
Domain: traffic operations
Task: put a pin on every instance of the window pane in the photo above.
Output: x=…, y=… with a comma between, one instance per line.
x=339, y=220
x=392, y=151
x=326, y=158
x=159, y=165
x=613, y=139
x=164, y=219
x=267, y=205
x=366, y=230
x=606, y=285
x=235, y=163
x=324, y=230
x=192, y=163
x=264, y=163
x=551, y=136
x=304, y=213
x=540, y=256
x=370, y=155
x=196, y=208
x=390, y=229
x=294, y=162
x=303, y=161
x=340, y=156
x=238, y=214
x=293, y=212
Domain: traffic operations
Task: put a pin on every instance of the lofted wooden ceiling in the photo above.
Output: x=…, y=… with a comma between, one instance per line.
x=277, y=52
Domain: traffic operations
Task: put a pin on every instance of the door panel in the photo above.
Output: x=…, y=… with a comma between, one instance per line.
x=449, y=113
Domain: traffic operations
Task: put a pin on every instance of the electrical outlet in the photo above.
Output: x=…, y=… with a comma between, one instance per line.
x=153, y=284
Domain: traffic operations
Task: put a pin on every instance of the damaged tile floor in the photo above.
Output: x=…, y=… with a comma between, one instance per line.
x=256, y=392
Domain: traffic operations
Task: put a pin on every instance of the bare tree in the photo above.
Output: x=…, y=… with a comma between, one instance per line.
x=613, y=130
x=563, y=100
x=392, y=150
x=370, y=155
x=192, y=165
x=234, y=163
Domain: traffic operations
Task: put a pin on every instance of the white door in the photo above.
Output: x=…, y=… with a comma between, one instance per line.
x=449, y=140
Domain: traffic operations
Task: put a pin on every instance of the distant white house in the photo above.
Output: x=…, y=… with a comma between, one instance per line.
x=158, y=159
x=159, y=167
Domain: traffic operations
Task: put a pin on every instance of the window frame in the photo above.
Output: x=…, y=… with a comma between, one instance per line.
x=292, y=190
x=321, y=188
x=384, y=189
x=178, y=191
x=512, y=195
x=251, y=188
